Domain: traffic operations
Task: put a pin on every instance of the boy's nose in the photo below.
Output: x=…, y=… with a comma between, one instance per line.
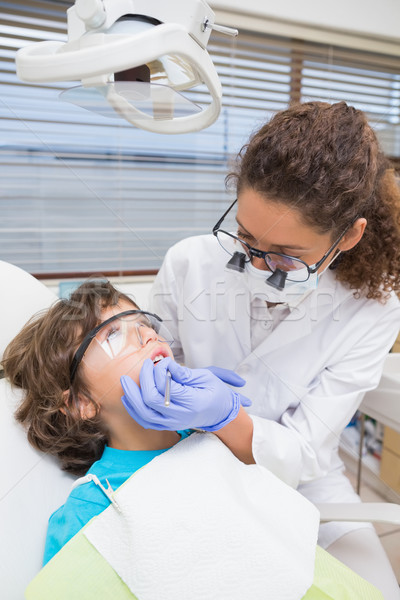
x=146, y=334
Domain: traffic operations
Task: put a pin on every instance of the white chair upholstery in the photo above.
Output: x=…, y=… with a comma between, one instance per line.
x=32, y=485
x=21, y=297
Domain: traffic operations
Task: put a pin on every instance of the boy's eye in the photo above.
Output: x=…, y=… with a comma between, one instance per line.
x=109, y=333
x=112, y=334
x=145, y=322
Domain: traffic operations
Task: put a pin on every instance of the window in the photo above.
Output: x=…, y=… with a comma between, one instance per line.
x=82, y=193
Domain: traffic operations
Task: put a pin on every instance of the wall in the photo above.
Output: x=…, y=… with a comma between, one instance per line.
x=363, y=17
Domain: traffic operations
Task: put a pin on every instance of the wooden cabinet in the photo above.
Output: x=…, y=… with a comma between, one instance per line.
x=390, y=463
x=396, y=347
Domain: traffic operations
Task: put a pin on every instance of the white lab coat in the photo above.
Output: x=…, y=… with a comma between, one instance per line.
x=305, y=380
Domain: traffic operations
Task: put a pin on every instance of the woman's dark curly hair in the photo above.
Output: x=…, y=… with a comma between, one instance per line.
x=38, y=360
x=325, y=161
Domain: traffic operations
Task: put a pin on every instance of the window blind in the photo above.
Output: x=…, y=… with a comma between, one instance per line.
x=82, y=193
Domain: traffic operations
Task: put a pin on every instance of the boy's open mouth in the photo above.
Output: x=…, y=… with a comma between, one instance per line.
x=159, y=354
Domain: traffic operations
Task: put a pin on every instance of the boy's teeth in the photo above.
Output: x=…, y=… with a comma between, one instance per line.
x=157, y=358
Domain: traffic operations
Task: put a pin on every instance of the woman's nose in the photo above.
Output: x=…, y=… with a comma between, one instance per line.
x=259, y=263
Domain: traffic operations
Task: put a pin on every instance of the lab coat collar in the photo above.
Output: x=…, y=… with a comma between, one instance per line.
x=302, y=315
x=305, y=314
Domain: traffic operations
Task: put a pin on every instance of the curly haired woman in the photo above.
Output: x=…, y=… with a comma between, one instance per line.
x=307, y=309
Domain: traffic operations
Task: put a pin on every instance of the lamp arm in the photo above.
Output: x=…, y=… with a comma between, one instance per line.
x=55, y=61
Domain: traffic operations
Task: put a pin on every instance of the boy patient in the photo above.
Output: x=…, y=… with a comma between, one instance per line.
x=69, y=361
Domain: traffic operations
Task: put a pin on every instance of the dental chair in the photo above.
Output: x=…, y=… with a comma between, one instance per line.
x=32, y=484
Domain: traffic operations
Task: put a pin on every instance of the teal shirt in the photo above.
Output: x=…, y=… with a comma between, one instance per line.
x=87, y=500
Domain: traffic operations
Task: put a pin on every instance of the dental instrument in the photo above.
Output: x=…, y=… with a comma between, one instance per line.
x=134, y=59
x=167, y=394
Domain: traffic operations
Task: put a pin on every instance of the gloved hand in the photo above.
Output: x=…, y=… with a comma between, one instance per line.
x=199, y=398
x=228, y=376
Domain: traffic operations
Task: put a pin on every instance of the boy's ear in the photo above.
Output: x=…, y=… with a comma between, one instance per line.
x=86, y=408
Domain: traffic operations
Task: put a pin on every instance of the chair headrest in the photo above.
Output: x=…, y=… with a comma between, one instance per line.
x=21, y=297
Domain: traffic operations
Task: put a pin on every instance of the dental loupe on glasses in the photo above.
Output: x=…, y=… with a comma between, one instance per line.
x=134, y=59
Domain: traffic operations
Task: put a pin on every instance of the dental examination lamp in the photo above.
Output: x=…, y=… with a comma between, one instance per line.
x=134, y=58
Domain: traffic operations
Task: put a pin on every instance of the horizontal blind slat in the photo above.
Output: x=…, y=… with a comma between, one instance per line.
x=84, y=193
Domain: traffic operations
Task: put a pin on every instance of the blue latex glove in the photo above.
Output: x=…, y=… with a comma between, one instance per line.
x=199, y=397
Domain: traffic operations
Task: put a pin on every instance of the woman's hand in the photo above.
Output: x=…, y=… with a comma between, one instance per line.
x=199, y=397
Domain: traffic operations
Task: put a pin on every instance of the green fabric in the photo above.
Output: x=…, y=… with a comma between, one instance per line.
x=334, y=581
x=80, y=572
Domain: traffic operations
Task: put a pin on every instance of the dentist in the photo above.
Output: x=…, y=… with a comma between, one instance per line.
x=300, y=300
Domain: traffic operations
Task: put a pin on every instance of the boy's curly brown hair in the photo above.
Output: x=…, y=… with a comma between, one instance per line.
x=38, y=361
x=325, y=161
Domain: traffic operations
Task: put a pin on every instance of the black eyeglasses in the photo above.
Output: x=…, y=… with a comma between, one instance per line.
x=274, y=260
x=151, y=320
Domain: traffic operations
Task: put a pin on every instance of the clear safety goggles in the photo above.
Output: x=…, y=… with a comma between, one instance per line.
x=121, y=335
